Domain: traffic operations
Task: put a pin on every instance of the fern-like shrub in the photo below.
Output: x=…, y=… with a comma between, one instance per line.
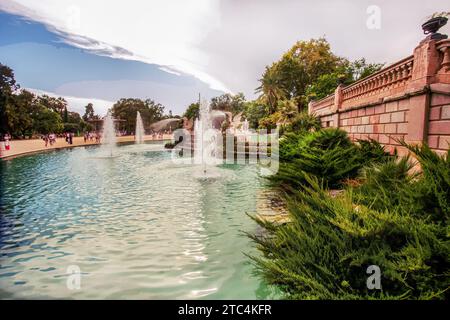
x=397, y=219
x=327, y=154
x=302, y=123
x=324, y=252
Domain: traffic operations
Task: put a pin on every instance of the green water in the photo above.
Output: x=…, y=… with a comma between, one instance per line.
x=138, y=227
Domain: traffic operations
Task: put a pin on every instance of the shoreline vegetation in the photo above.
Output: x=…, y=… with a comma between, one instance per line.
x=352, y=206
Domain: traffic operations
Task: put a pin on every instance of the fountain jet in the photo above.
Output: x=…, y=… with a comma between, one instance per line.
x=139, y=134
x=108, y=135
x=205, y=147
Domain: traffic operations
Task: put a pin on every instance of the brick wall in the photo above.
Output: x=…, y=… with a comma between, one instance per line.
x=439, y=122
x=408, y=100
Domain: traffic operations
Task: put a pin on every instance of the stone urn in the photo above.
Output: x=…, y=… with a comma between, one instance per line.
x=432, y=26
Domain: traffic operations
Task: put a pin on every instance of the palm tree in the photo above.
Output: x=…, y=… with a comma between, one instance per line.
x=270, y=90
x=288, y=109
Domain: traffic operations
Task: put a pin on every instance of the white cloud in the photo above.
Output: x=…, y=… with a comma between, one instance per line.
x=227, y=43
x=77, y=104
x=161, y=32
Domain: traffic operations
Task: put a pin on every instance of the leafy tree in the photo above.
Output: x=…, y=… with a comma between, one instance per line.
x=47, y=121
x=361, y=69
x=346, y=73
x=302, y=123
x=65, y=115
x=300, y=66
x=192, y=112
x=254, y=112
x=229, y=102
x=271, y=88
x=18, y=114
x=7, y=87
x=56, y=104
x=89, y=112
x=309, y=70
x=126, y=109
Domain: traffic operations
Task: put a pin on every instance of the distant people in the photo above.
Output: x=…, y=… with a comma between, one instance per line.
x=45, y=138
x=7, y=137
x=52, y=138
x=70, y=138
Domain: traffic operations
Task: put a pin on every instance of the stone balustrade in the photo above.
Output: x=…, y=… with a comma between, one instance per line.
x=408, y=100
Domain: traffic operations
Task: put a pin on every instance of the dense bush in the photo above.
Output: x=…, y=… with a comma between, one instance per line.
x=302, y=123
x=396, y=219
x=328, y=154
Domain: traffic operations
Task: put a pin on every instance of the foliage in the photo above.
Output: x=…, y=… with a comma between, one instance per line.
x=254, y=112
x=7, y=87
x=23, y=113
x=18, y=112
x=328, y=154
x=270, y=121
x=57, y=105
x=435, y=178
x=324, y=251
x=270, y=89
x=345, y=74
x=372, y=150
x=299, y=67
x=395, y=218
x=309, y=71
x=229, y=102
x=126, y=109
x=303, y=122
x=89, y=113
x=193, y=111
x=47, y=121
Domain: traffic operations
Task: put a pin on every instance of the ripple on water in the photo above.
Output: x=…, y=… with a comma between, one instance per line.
x=137, y=226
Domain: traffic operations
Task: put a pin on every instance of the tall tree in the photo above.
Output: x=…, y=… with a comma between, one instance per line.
x=18, y=114
x=229, y=102
x=126, y=109
x=55, y=104
x=89, y=112
x=300, y=66
x=7, y=87
x=192, y=112
x=271, y=88
x=47, y=121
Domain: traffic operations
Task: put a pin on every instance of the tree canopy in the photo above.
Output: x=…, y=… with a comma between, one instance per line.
x=229, y=102
x=126, y=109
x=308, y=71
x=192, y=111
x=23, y=113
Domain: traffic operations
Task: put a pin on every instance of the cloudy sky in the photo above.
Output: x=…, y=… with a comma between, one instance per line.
x=170, y=50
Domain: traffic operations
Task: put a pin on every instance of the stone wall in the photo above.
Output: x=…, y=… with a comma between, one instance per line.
x=407, y=100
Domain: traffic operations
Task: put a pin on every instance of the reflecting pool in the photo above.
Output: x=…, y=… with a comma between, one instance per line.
x=137, y=226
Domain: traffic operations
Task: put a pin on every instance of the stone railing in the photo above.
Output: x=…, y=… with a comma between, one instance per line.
x=392, y=80
x=322, y=105
x=408, y=100
x=383, y=82
x=444, y=70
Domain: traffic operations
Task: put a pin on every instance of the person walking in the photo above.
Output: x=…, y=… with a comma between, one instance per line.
x=7, y=137
x=45, y=138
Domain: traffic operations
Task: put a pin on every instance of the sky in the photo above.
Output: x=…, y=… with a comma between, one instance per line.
x=172, y=50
